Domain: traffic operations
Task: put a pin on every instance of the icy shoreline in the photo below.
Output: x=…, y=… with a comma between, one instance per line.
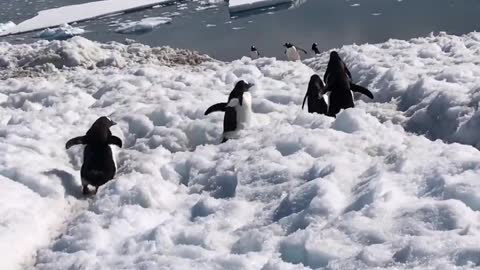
x=298, y=191
x=77, y=13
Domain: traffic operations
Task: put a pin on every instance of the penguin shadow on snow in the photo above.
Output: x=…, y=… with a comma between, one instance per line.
x=99, y=164
x=72, y=188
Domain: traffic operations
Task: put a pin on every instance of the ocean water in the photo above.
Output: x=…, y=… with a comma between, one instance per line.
x=213, y=30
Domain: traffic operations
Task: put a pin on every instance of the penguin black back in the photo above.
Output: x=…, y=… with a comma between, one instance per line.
x=339, y=82
x=98, y=162
x=315, y=48
x=316, y=102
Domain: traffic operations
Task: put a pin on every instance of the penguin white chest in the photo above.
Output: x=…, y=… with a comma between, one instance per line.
x=292, y=54
x=244, y=111
x=254, y=54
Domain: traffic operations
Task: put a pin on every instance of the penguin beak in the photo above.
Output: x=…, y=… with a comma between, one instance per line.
x=113, y=123
x=250, y=85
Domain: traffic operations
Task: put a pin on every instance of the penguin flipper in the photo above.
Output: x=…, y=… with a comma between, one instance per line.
x=303, y=50
x=361, y=89
x=304, y=99
x=115, y=141
x=219, y=107
x=230, y=120
x=75, y=141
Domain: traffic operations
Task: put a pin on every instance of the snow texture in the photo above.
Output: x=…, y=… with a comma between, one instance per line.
x=295, y=191
x=76, y=13
x=142, y=26
x=6, y=26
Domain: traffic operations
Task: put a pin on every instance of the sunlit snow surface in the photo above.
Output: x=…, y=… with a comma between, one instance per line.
x=297, y=191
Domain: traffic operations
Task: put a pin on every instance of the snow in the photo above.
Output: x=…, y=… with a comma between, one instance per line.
x=295, y=191
x=6, y=26
x=63, y=32
x=142, y=26
x=243, y=5
x=76, y=13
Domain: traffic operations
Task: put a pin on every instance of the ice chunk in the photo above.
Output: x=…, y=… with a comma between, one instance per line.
x=63, y=32
x=142, y=26
x=244, y=5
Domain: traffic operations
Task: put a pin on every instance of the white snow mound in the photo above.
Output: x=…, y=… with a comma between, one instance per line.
x=295, y=191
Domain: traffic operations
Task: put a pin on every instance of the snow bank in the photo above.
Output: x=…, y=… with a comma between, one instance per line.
x=76, y=13
x=63, y=32
x=244, y=5
x=142, y=26
x=29, y=60
x=429, y=85
x=296, y=191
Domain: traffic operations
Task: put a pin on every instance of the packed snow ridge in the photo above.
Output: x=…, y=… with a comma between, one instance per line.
x=296, y=191
x=76, y=13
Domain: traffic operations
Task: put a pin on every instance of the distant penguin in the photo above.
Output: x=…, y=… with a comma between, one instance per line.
x=98, y=161
x=238, y=110
x=315, y=48
x=316, y=102
x=254, y=53
x=292, y=52
x=338, y=81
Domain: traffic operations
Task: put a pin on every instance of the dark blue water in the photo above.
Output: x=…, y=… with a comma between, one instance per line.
x=330, y=23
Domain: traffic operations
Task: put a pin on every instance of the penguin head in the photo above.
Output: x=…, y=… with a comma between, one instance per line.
x=240, y=88
x=104, y=122
x=253, y=49
x=287, y=45
x=100, y=130
x=315, y=85
x=334, y=56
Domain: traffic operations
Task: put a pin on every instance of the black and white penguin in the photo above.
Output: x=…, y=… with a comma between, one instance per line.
x=292, y=52
x=316, y=102
x=98, y=161
x=254, y=53
x=315, y=48
x=338, y=81
x=238, y=110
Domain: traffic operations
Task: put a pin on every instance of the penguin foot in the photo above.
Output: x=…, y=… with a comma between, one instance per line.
x=85, y=190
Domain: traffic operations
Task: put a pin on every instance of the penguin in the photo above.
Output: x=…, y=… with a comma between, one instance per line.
x=315, y=48
x=292, y=52
x=316, y=102
x=98, y=161
x=338, y=81
x=254, y=53
x=238, y=110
